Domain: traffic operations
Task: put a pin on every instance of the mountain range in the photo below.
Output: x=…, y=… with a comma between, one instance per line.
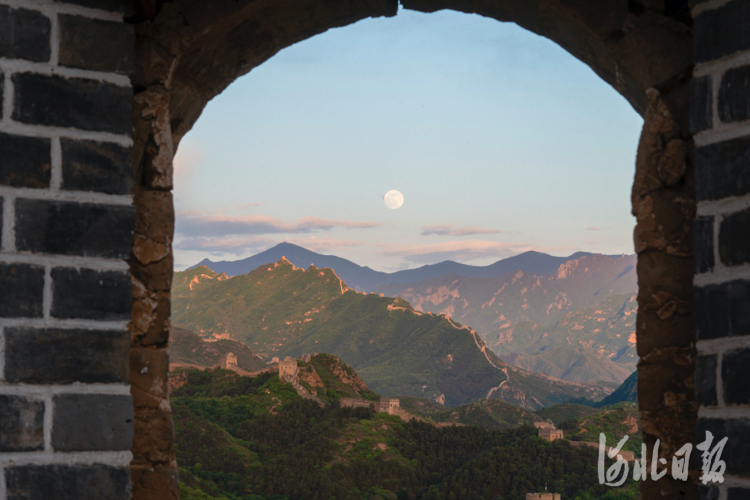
x=364, y=279
x=279, y=309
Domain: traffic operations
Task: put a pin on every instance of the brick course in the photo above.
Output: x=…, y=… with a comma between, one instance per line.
x=96, y=45
x=64, y=356
x=24, y=34
x=721, y=32
x=88, y=294
x=21, y=423
x=721, y=169
x=21, y=287
x=721, y=310
x=26, y=161
x=92, y=422
x=64, y=482
x=102, y=167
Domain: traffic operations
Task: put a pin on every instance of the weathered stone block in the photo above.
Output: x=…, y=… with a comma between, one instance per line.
x=721, y=169
x=154, y=438
x=721, y=32
x=701, y=104
x=703, y=244
x=735, y=374
x=88, y=294
x=21, y=290
x=154, y=483
x=149, y=370
x=124, y=7
x=734, y=238
x=736, y=453
x=57, y=356
x=92, y=422
x=705, y=380
x=72, y=102
x=21, y=424
x=96, y=45
x=26, y=161
x=721, y=310
x=103, y=167
x=24, y=34
x=64, y=482
x=69, y=228
x=734, y=95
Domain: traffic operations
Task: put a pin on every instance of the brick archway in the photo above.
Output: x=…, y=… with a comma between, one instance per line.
x=188, y=51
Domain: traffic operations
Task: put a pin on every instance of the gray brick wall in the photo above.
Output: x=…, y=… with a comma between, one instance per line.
x=66, y=228
x=720, y=122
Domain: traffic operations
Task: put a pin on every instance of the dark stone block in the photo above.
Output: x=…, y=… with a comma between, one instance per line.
x=734, y=238
x=707, y=493
x=92, y=422
x=721, y=310
x=736, y=452
x=738, y=494
x=735, y=375
x=21, y=290
x=87, y=294
x=703, y=244
x=57, y=356
x=96, y=166
x=721, y=32
x=21, y=424
x=734, y=95
x=25, y=161
x=705, y=380
x=96, y=45
x=24, y=34
x=65, y=482
x=69, y=228
x=72, y=102
x=701, y=104
x=721, y=169
x=124, y=7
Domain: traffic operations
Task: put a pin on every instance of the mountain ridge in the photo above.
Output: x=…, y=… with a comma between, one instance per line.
x=365, y=279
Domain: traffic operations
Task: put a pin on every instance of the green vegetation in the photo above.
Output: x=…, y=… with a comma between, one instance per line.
x=614, y=421
x=565, y=411
x=278, y=310
x=240, y=438
x=185, y=347
x=490, y=414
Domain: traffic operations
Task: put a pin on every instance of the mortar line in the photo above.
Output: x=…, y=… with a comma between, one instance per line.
x=47, y=293
x=722, y=274
x=49, y=132
x=719, y=381
x=50, y=69
x=2, y=355
x=8, y=239
x=55, y=181
x=721, y=345
x=72, y=324
x=722, y=132
x=706, y=6
x=47, y=426
x=93, y=263
x=48, y=391
x=7, y=97
x=75, y=196
x=726, y=205
x=111, y=458
x=3, y=493
x=54, y=39
x=726, y=413
x=49, y=8
x=722, y=492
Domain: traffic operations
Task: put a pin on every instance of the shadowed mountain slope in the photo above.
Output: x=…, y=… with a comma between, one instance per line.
x=279, y=309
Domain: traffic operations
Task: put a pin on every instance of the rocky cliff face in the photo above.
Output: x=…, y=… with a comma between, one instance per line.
x=577, y=324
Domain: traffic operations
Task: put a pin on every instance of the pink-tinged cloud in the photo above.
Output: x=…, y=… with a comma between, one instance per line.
x=316, y=244
x=185, y=161
x=461, y=251
x=197, y=224
x=240, y=246
x=448, y=230
x=220, y=246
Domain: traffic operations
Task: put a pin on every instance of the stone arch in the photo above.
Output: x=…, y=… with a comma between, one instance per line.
x=188, y=51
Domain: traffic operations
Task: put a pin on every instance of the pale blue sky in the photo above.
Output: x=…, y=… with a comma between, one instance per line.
x=481, y=125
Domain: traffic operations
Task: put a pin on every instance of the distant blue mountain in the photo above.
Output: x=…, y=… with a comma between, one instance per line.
x=363, y=278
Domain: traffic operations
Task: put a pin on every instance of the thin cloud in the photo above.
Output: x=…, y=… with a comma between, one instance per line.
x=448, y=230
x=594, y=228
x=199, y=224
x=187, y=158
x=321, y=244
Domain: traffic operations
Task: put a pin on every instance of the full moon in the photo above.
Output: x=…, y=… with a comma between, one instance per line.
x=393, y=199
